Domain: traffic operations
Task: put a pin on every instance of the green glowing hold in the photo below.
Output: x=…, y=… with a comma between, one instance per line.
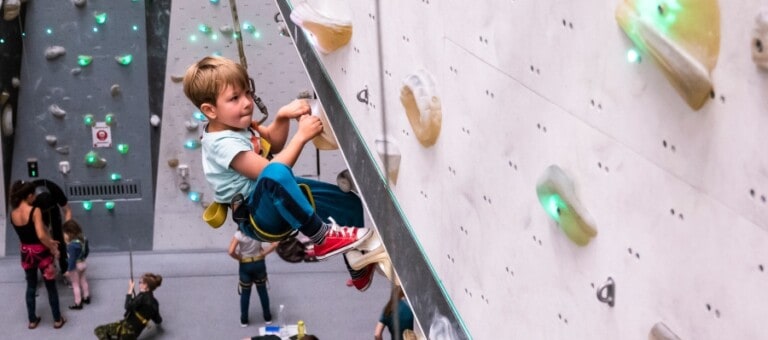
x=194, y=196
x=192, y=144
x=122, y=148
x=91, y=158
x=101, y=18
x=88, y=120
x=87, y=205
x=554, y=206
x=109, y=118
x=84, y=60
x=203, y=28
x=125, y=59
x=115, y=177
x=110, y=205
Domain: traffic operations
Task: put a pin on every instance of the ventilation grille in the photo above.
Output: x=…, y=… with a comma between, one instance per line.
x=87, y=191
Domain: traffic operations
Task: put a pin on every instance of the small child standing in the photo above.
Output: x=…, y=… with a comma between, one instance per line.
x=77, y=252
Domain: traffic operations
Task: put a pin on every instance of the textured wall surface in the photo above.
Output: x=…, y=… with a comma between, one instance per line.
x=677, y=195
x=81, y=90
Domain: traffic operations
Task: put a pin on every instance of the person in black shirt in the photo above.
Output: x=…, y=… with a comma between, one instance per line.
x=139, y=309
x=52, y=202
x=37, y=250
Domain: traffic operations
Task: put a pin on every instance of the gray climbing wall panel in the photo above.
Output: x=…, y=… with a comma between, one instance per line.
x=197, y=30
x=81, y=90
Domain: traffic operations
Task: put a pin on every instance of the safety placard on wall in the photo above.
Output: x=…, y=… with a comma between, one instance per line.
x=102, y=135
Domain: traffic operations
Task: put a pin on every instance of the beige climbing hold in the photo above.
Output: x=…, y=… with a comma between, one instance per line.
x=760, y=40
x=682, y=37
x=326, y=32
x=422, y=106
x=389, y=153
x=11, y=9
x=326, y=140
x=557, y=196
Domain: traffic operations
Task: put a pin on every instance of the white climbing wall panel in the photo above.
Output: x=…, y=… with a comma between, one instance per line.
x=678, y=196
x=278, y=76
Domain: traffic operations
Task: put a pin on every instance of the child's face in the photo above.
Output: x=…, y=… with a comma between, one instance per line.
x=233, y=110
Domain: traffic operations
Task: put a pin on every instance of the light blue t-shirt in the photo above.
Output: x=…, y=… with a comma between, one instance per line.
x=219, y=149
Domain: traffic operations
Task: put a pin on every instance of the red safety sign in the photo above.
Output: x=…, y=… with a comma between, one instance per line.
x=102, y=135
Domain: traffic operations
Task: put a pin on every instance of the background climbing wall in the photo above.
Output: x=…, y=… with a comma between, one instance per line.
x=678, y=196
x=57, y=91
x=196, y=31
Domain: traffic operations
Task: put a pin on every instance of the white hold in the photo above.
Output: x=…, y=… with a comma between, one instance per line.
x=183, y=171
x=7, y=123
x=15, y=82
x=63, y=150
x=56, y=111
x=760, y=40
x=51, y=140
x=64, y=167
x=226, y=29
x=191, y=125
x=54, y=52
x=78, y=3
x=154, y=120
x=441, y=328
x=75, y=71
x=4, y=97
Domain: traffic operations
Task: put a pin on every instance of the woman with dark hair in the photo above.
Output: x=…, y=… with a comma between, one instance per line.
x=38, y=250
x=396, y=307
x=139, y=309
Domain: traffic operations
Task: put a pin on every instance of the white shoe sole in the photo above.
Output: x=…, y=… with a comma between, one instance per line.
x=360, y=240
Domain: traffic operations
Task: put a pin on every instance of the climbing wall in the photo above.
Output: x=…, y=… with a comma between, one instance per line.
x=199, y=29
x=83, y=118
x=675, y=191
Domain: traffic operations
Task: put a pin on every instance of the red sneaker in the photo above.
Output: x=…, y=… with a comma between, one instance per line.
x=340, y=239
x=363, y=281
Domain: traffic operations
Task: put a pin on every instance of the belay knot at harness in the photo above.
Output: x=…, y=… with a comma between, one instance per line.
x=216, y=213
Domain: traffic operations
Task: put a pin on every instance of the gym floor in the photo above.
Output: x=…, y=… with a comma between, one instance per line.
x=198, y=298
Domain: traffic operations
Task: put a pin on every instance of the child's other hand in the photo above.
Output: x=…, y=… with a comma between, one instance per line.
x=294, y=109
x=309, y=127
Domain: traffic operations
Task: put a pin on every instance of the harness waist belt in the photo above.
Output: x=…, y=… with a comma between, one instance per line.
x=251, y=259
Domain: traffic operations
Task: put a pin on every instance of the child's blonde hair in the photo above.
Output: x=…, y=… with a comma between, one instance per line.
x=206, y=78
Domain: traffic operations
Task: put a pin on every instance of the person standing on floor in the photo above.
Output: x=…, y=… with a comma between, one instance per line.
x=53, y=204
x=38, y=250
x=387, y=320
x=77, y=251
x=252, y=270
